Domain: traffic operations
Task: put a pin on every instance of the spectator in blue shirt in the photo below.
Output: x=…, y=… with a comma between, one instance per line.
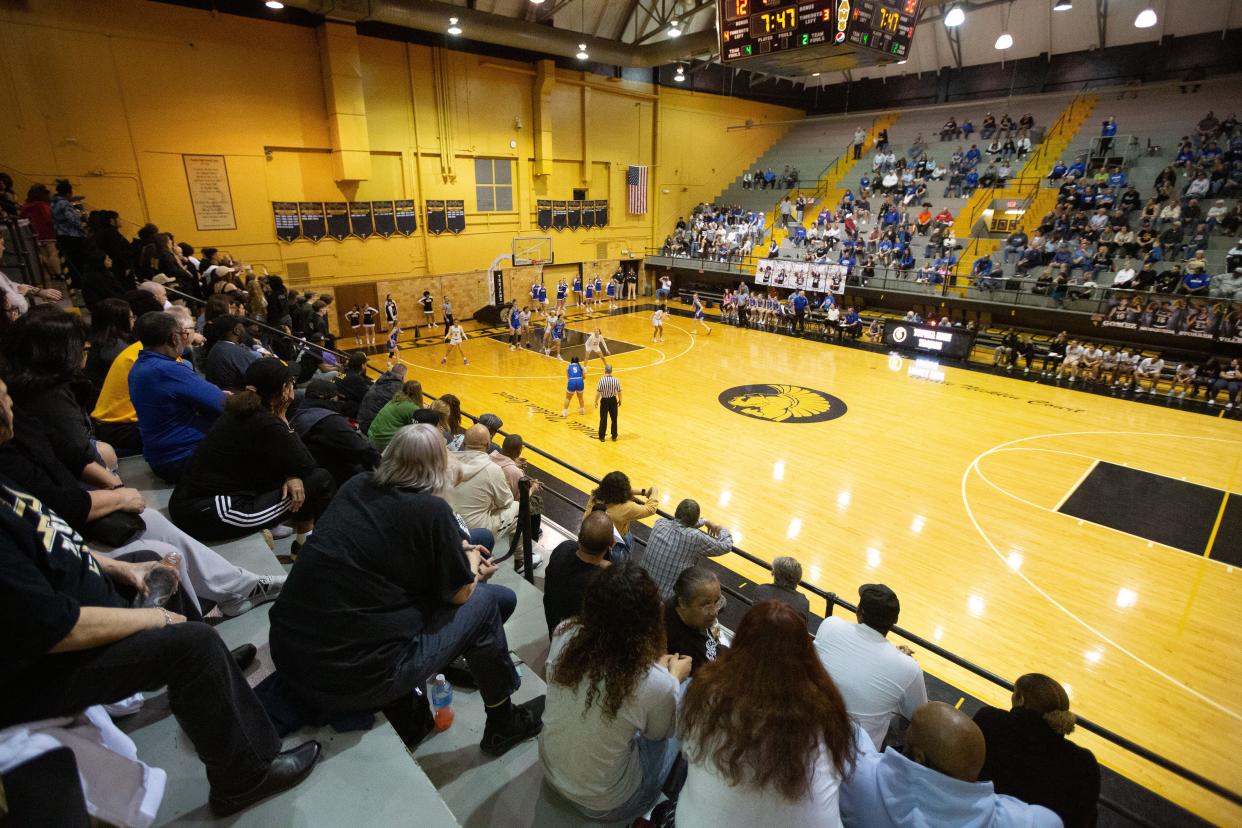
x=799, y=304
x=1029, y=258
x=981, y=273
x=1078, y=169
x=175, y=406
x=1108, y=131
x=970, y=184
x=973, y=156
x=1058, y=171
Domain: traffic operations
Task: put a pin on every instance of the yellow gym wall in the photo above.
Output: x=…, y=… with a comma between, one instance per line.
x=111, y=94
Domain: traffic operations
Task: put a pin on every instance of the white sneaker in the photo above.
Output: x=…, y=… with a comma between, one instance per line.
x=125, y=707
x=284, y=530
x=267, y=589
x=564, y=412
x=1212, y=401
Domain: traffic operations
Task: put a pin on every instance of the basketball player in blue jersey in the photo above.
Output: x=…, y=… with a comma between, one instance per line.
x=543, y=296
x=589, y=301
x=393, y=350
x=698, y=314
x=578, y=291
x=561, y=290
x=515, y=327
x=576, y=374
x=558, y=335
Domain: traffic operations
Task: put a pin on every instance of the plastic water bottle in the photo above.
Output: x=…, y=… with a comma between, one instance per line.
x=161, y=582
x=441, y=697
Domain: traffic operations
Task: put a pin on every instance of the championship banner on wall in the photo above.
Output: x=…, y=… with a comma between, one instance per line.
x=385, y=218
x=808, y=276
x=314, y=224
x=436, y=222
x=361, y=222
x=543, y=214
x=455, y=215
x=573, y=216
x=288, y=228
x=407, y=216
x=338, y=219
x=1192, y=317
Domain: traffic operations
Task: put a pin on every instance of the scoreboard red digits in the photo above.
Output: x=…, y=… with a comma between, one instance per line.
x=752, y=28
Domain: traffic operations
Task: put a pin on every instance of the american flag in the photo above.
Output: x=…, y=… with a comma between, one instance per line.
x=636, y=189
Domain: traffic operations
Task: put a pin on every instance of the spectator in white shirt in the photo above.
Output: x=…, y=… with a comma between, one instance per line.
x=765, y=731
x=876, y=679
x=934, y=782
x=1125, y=275
x=1148, y=371
x=608, y=743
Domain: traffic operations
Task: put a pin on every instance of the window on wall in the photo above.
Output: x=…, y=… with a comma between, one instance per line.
x=493, y=179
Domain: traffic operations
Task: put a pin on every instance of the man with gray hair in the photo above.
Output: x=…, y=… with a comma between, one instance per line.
x=786, y=573
x=676, y=545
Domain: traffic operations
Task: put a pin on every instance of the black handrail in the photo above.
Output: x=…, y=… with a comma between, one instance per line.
x=833, y=600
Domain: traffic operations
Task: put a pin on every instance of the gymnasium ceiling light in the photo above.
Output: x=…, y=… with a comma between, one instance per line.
x=954, y=17
x=537, y=2
x=674, y=30
x=582, y=52
x=1146, y=18
x=274, y=4
x=1063, y=5
x=681, y=74
x=453, y=28
x=1005, y=41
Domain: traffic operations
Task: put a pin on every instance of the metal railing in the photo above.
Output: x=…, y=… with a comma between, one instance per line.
x=831, y=601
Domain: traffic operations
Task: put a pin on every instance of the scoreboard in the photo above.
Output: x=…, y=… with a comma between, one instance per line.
x=871, y=31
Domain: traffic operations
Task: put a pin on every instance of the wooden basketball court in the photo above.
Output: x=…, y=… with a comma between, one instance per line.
x=964, y=491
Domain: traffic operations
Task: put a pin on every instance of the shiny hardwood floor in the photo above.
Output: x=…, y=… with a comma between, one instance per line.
x=942, y=483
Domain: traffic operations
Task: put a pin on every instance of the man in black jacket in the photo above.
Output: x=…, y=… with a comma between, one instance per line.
x=333, y=441
x=379, y=394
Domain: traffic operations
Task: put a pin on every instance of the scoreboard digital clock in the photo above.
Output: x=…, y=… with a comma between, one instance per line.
x=871, y=30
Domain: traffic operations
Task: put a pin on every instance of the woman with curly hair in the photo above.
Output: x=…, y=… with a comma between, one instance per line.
x=765, y=731
x=608, y=742
x=614, y=496
x=1028, y=756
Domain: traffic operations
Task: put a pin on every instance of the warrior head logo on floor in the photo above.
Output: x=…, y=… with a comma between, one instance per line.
x=782, y=403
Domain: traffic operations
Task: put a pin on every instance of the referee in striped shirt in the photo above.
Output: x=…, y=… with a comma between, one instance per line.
x=608, y=401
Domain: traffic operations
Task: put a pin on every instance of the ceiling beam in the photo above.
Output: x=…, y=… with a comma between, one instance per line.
x=683, y=18
x=619, y=31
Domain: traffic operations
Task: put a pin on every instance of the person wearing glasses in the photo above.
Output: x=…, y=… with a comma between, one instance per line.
x=690, y=617
x=175, y=406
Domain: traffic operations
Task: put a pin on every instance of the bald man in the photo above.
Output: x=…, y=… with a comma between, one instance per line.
x=482, y=495
x=573, y=565
x=934, y=782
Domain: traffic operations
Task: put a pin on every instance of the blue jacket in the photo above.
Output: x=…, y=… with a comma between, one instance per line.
x=175, y=407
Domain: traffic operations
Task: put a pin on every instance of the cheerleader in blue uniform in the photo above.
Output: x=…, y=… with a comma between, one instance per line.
x=543, y=296
x=561, y=290
x=393, y=333
x=589, y=301
x=578, y=291
x=612, y=294
x=534, y=295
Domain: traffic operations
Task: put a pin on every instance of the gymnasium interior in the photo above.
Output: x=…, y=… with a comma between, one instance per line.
x=949, y=297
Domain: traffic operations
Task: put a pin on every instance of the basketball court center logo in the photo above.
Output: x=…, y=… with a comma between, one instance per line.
x=782, y=403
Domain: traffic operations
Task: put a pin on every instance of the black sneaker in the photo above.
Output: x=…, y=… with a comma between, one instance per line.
x=524, y=723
